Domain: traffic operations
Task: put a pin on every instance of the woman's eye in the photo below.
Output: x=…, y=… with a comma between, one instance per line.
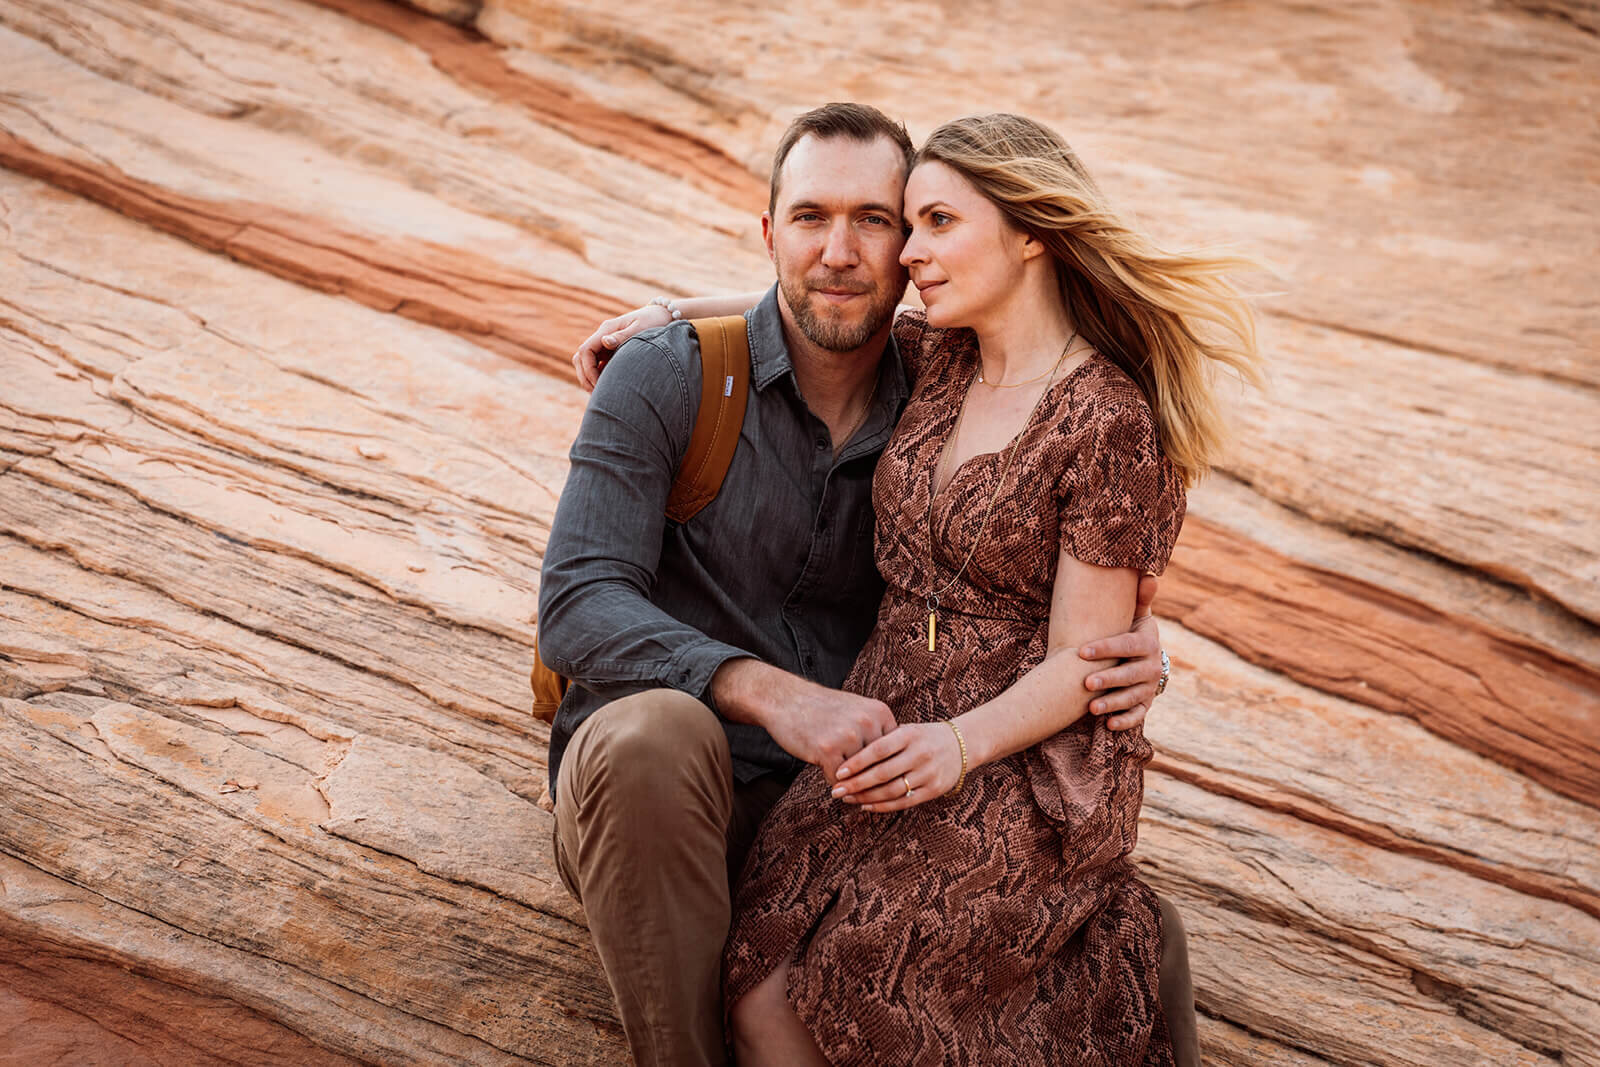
x=938, y=218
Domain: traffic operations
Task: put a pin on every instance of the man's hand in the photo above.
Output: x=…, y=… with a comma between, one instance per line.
x=811, y=722
x=1129, y=688
x=603, y=343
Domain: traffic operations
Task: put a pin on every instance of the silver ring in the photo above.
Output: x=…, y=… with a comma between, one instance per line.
x=1166, y=672
x=907, y=781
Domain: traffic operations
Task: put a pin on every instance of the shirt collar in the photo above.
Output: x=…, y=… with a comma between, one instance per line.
x=769, y=353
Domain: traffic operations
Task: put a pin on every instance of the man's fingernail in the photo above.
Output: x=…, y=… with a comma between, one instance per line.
x=1099, y=707
x=1088, y=650
x=1093, y=682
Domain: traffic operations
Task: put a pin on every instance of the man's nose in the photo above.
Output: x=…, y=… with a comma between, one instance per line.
x=839, y=250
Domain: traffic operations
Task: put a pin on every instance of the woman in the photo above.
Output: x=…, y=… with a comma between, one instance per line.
x=964, y=894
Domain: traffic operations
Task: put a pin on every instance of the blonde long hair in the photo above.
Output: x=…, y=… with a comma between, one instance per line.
x=1168, y=319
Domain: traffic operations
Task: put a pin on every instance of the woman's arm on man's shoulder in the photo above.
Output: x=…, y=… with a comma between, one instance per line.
x=591, y=356
x=609, y=336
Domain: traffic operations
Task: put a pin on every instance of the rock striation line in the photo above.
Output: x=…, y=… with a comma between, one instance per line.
x=1487, y=691
x=475, y=60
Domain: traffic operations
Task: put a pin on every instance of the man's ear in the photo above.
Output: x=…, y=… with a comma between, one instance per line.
x=766, y=234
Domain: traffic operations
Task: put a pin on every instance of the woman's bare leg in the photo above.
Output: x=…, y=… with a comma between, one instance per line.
x=767, y=1031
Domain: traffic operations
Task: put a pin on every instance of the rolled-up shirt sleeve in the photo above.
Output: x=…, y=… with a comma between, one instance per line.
x=597, y=624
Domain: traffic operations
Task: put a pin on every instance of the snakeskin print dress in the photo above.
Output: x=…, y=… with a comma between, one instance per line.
x=1003, y=925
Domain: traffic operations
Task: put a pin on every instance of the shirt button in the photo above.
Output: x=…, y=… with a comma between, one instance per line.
x=822, y=442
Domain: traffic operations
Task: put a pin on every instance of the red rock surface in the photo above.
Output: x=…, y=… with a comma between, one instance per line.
x=286, y=291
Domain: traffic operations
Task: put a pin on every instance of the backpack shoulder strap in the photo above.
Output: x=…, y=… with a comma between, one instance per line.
x=724, y=389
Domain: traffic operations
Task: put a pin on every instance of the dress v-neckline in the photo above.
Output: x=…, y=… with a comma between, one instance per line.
x=935, y=490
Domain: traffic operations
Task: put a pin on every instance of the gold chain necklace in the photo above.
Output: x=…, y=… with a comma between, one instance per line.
x=860, y=419
x=934, y=595
x=1028, y=381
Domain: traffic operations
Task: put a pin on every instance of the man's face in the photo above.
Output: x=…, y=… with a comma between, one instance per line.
x=836, y=236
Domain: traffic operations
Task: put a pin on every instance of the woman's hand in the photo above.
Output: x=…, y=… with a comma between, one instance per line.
x=912, y=763
x=600, y=345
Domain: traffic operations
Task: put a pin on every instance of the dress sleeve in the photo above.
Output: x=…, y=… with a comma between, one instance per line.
x=910, y=335
x=1121, y=504
x=1121, y=500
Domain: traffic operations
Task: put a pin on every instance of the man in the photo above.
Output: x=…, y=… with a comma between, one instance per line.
x=706, y=655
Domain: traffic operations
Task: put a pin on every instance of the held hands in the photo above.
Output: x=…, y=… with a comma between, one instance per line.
x=811, y=722
x=825, y=726
x=604, y=342
x=913, y=763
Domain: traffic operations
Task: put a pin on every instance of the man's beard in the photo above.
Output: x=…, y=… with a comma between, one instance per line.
x=827, y=332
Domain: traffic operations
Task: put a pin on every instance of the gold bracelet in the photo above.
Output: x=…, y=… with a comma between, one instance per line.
x=963, y=743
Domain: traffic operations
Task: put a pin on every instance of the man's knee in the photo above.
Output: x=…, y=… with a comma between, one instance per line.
x=649, y=747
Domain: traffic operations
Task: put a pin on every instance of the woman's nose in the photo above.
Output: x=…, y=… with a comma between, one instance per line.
x=912, y=252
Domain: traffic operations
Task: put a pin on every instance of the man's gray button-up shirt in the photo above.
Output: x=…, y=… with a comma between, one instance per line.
x=779, y=566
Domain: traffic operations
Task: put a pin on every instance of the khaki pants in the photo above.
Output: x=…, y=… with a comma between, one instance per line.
x=650, y=831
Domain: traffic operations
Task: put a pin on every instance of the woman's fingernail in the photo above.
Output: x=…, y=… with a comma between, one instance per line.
x=844, y=772
x=838, y=791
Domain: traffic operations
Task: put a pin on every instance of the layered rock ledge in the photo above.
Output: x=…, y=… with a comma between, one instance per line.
x=286, y=293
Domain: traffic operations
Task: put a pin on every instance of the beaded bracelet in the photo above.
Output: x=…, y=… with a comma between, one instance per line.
x=670, y=304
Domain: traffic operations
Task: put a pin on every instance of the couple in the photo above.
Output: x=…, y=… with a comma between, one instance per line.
x=946, y=880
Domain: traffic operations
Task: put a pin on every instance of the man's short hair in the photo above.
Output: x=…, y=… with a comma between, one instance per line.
x=859, y=122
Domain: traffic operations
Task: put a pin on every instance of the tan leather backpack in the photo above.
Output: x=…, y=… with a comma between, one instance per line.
x=724, y=390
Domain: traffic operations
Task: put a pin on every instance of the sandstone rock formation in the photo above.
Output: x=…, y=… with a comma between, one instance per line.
x=286, y=293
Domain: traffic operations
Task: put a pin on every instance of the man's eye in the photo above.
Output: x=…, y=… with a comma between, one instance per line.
x=878, y=220
x=807, y=216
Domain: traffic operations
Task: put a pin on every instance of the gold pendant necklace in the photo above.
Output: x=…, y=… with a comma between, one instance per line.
x=935, y=594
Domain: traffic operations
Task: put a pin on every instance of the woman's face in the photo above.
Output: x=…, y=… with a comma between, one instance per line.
x=965, y=257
